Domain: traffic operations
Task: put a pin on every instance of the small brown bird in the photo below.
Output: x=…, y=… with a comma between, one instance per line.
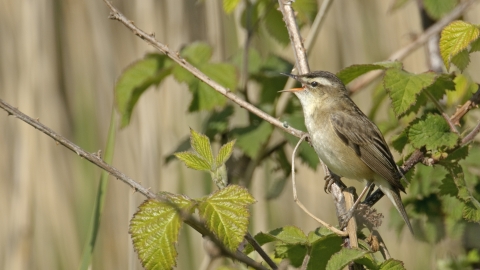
x=345, y=139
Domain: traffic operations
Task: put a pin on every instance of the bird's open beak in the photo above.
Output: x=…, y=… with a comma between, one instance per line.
x=293, y=89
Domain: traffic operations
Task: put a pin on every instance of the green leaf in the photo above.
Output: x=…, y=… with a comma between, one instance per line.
x=197, y=53
x=276, y=27
x=400, y=141
x=295, y=253
x=137, y=78
x=250, y=139
x=392, y=264
x=352, y=72
x=457, y=155
x=226, y=213
x=224, y=153
x=475, y=45
x=222, y=73
x=230, y=5
x=368, y=261
x=455, y=38
x=456, y=172
x=448, y=187
x=322, y=250
x=436, y=9
x=217, y=122
x=289, y=235
x=204, y=97
x=443, y=82
x=461, y=60
x=201, y=144
x=404, y=87
x=471, y=213
x=432, y=132
x=342, y=258
x=154, y=230
x=306, y=10
x=292, y=246
x=182, y=75
x=193, y=161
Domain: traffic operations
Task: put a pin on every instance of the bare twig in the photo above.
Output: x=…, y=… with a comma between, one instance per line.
x=295, y=38
x=420, y=40
x=462, y=110
x=312, y=36
x=470, y=136
x=260, y=251
x=96, y=159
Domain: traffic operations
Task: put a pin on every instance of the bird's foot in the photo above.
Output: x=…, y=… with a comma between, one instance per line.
x=330, y=179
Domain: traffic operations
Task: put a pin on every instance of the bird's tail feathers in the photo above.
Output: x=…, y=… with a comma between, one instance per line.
x=394, y=196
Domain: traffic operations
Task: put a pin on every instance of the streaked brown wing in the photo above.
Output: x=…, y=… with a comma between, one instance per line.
x=369, y=146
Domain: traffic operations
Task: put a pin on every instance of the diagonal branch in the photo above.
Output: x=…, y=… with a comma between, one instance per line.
x=150, y=39
x=99, y=162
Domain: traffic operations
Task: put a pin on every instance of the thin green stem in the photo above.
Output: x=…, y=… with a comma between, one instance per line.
x=100, y=199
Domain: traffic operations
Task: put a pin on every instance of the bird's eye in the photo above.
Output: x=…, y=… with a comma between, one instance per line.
x=314, y=84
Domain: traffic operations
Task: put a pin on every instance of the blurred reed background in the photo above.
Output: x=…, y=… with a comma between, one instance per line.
x=59, y=61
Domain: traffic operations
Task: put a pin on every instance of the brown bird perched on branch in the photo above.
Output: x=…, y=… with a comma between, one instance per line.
x=345, y=139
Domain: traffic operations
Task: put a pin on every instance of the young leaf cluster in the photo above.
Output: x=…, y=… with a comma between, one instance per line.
x=155, y=226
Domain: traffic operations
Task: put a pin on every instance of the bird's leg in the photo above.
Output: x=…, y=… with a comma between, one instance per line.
x=331, y=178
x=370, y=191
x=347, y=216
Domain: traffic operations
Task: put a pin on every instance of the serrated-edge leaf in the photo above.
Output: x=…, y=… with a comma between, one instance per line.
x=275, y=26
x=226, y=214
x=456, y=172
x=224, y=153
x=455, y=38
x=448, y=187
x=432, y=132
x=392, y=264
x=475, y=46
x=154, y=229
x=352, y=72
x=193, y=161
x=342, y=258
x=289, y=235
x=403, y=87
x=461, y=60
x=471, y=213
x=201, y=144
